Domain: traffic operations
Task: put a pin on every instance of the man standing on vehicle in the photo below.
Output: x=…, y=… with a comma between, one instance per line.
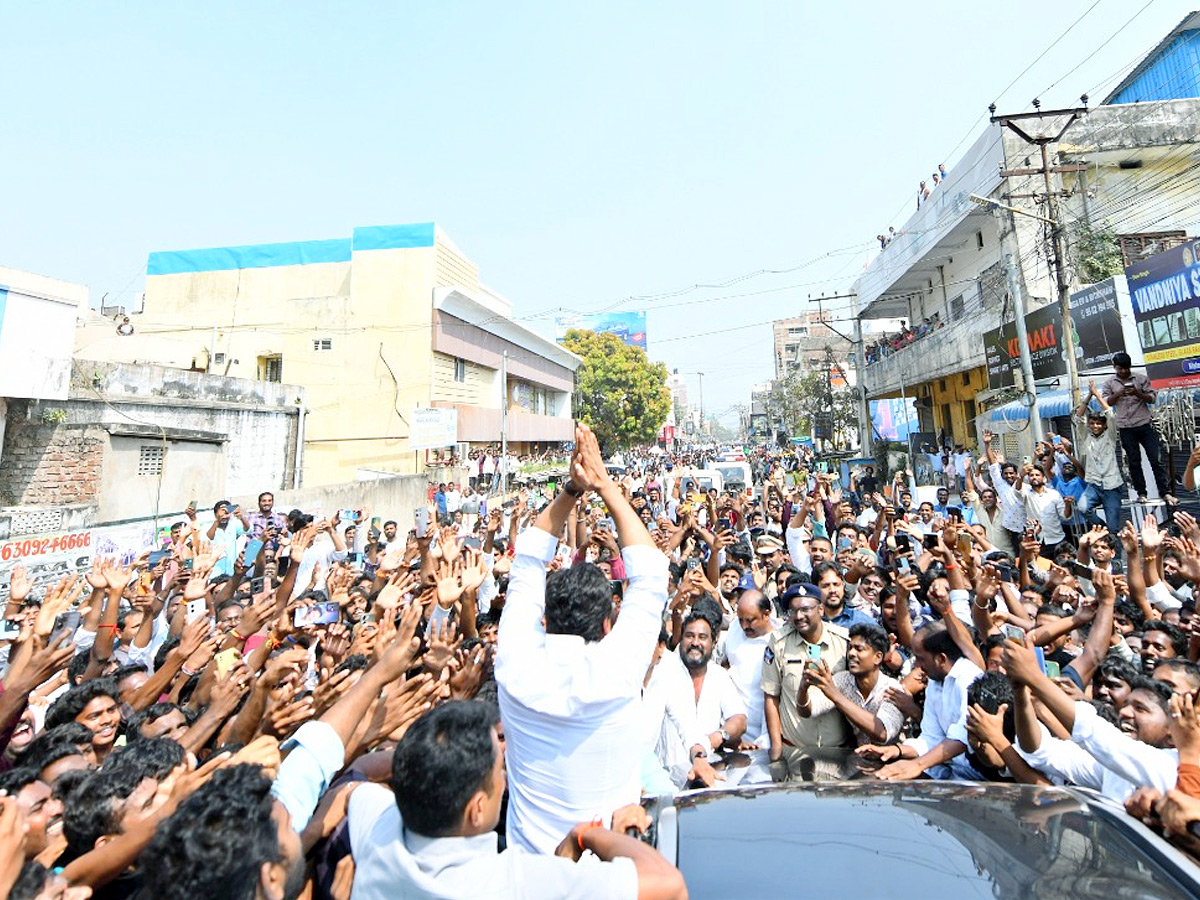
x=806, y=637
x=569, y=678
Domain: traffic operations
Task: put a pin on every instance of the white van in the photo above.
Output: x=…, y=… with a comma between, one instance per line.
x=736, y=475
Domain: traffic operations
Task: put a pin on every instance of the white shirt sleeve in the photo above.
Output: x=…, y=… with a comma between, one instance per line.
x=1063, y=761
x=795, y=544
x=521, y=629
x=1160, y=595
x=630, y=644
x=1133, y=760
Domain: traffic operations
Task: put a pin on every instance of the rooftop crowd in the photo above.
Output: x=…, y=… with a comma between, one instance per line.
x=275, y=705
x=908, y=334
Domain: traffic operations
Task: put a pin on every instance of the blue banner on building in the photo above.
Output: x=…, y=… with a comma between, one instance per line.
x=630, y=327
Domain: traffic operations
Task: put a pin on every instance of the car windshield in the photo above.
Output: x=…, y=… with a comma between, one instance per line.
x=905, y=840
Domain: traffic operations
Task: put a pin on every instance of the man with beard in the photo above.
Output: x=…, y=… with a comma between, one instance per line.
x=704, y=687
x=804, y=638
x=1006, y=480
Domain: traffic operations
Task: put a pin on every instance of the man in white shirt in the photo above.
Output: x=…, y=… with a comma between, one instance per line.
x=453, y=499
x=1006, y=480
x=701, y=686
x=743, y=648
x=407, y=842
x=941, y=748
x=1114, y=761
x=327, y=548
x=570, y=679
x=1047, y=507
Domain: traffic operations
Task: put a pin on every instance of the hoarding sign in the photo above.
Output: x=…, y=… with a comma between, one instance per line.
x=893, y=420
x=1096, y=317
x=1044, y=332
x=1165, y=292
x=630, y=327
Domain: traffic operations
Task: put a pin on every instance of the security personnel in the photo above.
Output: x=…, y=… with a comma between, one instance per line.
x=804, y=638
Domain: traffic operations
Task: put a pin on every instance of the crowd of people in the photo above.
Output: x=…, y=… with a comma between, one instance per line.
x=888, y=344
x=277, y=703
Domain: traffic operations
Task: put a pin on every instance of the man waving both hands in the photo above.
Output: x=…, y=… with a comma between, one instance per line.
x=570, y=678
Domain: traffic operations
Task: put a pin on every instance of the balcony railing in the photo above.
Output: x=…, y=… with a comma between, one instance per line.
x=955, y=348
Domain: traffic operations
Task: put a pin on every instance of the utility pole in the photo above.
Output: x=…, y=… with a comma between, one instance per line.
x=865, y=443
x=1018, y=297
x=1042, y=141
x=504, y=422
x=864, y=418
x=701, y=374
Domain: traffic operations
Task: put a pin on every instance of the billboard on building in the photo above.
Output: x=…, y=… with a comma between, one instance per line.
x=630, y=327
x=431, y=428
x=1043, y=329
x=894, y=420
x=1096, y=317
x=1165, y=292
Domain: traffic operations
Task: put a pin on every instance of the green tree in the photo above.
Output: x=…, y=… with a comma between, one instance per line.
x=799, y=400
x=1097, y=253
x=619, y=393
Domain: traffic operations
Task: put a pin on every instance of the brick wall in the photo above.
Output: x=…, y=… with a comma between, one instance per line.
x=49, y=464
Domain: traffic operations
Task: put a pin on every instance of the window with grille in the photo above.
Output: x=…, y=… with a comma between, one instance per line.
x=270, y=368
x=460, y=370
x=322, y=344
x=150, y=459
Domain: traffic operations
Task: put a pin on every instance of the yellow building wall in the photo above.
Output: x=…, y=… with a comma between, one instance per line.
x=475, y=390
x=375, y=310
x=957, y=394
x=389, y=367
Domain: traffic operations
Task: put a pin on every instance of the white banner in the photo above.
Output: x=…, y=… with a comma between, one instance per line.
x=432, y=429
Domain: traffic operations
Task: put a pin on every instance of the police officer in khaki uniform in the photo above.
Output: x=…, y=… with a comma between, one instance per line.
x=804, y=637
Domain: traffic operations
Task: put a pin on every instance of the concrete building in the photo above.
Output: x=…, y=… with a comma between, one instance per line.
x=375, y=326
x=132, y=442
x=952, y=261
x=799, y=344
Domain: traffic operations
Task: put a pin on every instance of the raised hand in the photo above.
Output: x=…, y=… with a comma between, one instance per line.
x=1152, y=538
x=472, y=667
x=397, y=650
x=443, y=641
x=986, y=727
x=587, y=465
x=393, y=592
x=19, y=584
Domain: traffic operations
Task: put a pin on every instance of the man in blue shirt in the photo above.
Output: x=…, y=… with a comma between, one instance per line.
x=941, y=509
x=1069, y=484
x=439, y=498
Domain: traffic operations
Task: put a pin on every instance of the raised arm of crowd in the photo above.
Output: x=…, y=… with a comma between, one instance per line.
x=275, y=704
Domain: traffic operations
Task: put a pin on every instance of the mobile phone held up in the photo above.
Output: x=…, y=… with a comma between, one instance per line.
x=325, y=613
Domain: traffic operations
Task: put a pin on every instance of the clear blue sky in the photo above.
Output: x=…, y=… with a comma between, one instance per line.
x=579, y=153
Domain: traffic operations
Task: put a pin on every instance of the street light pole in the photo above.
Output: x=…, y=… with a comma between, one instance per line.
x=701, y=374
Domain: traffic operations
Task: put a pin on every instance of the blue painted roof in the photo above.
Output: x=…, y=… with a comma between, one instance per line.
x=294, y=253
x=1171, y=71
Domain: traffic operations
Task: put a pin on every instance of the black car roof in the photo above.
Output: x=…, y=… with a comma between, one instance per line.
x=923, y=839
